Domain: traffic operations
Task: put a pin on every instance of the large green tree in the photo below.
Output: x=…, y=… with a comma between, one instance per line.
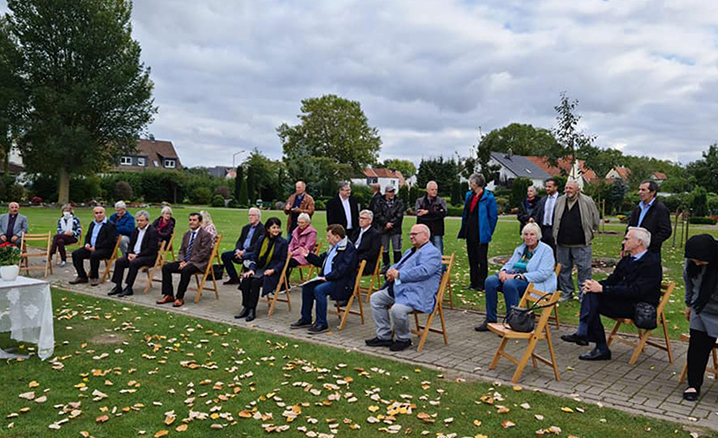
x=406, y=167
x=521, y=139
x=569, y=140
x=445, y=172
x=88, y=94
x=479, y=160
x=705, y=170
x=12, y=93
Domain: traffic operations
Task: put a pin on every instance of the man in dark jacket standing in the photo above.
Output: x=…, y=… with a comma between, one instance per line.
x=543, y=213
x=142, y=251
x=652, y=215
x=431, y=211
x=389, y=220
x=245, y=244
x=343, y=209
x=99, y=242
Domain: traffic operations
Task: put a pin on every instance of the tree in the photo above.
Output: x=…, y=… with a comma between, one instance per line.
x=601, y=161
x=521, y=139
x=480, y=158
x=89, y=95
x=262, y=177
x=568, y=139
x=238, y=179
x=444, y=171
x=406, y=167
x=12, y=93
x=705, y=170
x=331, y=127
x=519, y=187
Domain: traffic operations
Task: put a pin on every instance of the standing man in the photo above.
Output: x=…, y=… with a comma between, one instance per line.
x=142, y=251
x=299, y=202
x=12, y=224
x=543, y=214
x=245, y=244
x=125, y=224
x=576, y=221
x=389, y=220
x=431, y=211
x=652, y=215
x=343, y=209
x=192, y=258
x=375, y=197
x=477, y=227
x=99, y=243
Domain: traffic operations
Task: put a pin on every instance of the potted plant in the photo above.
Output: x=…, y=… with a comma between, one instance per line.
x=9, y=259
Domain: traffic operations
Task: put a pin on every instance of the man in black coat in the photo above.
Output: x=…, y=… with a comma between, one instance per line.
x=367, y=241
x=245, y=244
x=652, y=215
x=141, y=251
x=389, y=220
x=343, y=209
x=100, y=240
x=636, y=279
x=543, y=213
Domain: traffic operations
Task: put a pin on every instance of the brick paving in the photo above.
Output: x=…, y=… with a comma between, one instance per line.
x=650, y=387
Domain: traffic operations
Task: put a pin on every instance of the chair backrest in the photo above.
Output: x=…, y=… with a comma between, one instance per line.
x=35, y=237
x=532, y=295
x=666, y=291
x=360, y=272
x=114, y=250
x=449, y=262
x=377, y=265
x=170, y=244
x=557, y=269
x=215, y=250
x=317, y=248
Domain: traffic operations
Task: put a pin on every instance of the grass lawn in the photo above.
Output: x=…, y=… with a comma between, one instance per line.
x=506, y=238
x=126, y=371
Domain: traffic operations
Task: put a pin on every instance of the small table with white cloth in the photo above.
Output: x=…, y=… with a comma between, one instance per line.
x=26, y=312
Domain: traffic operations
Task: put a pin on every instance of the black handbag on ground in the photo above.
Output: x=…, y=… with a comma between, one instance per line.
x=646, y=317
x=218, y=271
x=523, y=320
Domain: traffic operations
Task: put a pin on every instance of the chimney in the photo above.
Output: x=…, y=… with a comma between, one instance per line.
x=509, y=154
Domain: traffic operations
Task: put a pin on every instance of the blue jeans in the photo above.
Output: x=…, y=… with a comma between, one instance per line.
x=513, y=290
x=438, y=242
x=318, y=293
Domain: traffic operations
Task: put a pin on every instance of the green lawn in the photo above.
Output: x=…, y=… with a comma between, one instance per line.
x=127, y=371
x=506, y=238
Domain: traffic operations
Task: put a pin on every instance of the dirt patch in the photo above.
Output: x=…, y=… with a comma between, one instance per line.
x=108, y=339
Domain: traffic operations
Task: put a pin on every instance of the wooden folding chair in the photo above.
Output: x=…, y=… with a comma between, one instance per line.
x=541, y=331
x=375, y=277
x=686, y=338
x=150, y=270
x=422, y=331
x=170, y=249
x=344, y=313
x=310, y=267
x=554, y=317
x=449, y=299
x=25, y=254
x=209, y=271
x=109, y=262
x=643, y=335
x=272, y=302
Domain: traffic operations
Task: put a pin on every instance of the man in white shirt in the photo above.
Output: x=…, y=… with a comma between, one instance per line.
x=543, y=214
x=344, y=209
x=367, y=241
x=141, y=251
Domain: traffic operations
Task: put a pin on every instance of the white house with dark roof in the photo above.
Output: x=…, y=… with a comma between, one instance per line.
x=150, y=154
x=517, y=166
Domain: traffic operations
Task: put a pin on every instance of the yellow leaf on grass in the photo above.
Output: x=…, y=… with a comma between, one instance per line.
x=245, y=414
x=169, y=420
x=566, y=409
x=102, y=419
x=477, y=423
x=33, y=384
x=506, y=424
x=162, y=433
x=373, y=408
x=181, y=428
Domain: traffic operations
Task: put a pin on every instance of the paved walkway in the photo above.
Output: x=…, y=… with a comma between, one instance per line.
x=650, y=387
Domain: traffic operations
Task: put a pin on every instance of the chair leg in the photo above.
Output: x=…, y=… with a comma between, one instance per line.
x=200, y=287
x=443, y=325
x=425, y=332
x=685, y=370
x=551, y=352
x=214, y=283
x=613, y=333
x=272, y=302
x=345, y=314
x=668, y=341
x=499, y=352
x=555, y=312
x=640, y=347
x=149, y=279
x=525, y=359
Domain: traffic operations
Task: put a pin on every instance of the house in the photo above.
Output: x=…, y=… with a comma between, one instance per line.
x=150, y=154
x=564, y=168
x=222, y=171
x=382, y=176
x=516, y=166
x=658, y=177
x=619, y=173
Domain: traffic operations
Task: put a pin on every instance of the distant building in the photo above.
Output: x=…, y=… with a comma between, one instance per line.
x=564, y=168
x=516, y=166
x=222, y=171
x=658, y=177
x=382, y=176
x=619, y=173
x=150, y=154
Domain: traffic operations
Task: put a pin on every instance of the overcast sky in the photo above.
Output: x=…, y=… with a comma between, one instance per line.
x=428, y=74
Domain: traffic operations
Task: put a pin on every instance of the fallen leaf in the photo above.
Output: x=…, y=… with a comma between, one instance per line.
x=162, y=433
x=102, y=419
x=181, y=428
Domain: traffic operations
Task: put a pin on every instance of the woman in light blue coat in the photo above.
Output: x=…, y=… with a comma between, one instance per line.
x=532, y=262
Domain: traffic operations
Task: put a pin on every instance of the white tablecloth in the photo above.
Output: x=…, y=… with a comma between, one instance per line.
x=26, y=312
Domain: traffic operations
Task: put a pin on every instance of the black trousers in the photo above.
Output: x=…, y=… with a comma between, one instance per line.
x=478, y=261
x=123, y=263
x=96, y=256
x=185, y=276
x=699, y=351
x=250, y=287
x=594, y=305
x=547, y=238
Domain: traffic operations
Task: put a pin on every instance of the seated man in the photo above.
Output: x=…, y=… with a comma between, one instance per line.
x=245, y=244
x=193, y=257
x=637, y=278
x=412, y=284
x=125, y=224
x=12, y=224
x=367, y=241
x=337, y=274
x=141, y=252
x=99, y=242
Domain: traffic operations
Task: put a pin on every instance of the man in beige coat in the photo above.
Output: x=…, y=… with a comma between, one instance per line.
x=299, y=202
x=576, y=220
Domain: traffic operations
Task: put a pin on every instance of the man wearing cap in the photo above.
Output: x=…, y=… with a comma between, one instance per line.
x=389, y=219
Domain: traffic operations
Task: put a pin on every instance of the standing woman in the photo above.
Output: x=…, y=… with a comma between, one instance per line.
x=165, y=224
x=701, y=277
x=526, y=207
x=477, y=226
x=68, y=232
x=265, y=266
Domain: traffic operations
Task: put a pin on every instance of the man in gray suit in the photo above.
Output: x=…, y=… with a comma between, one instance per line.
x=12, y=224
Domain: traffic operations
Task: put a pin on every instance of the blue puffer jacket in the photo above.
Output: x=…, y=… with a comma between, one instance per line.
x=488, y=215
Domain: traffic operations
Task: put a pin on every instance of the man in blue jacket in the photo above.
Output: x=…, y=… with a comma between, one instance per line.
x=412, y=284
x=336, y=278
x=125, y=224
x=477, y=226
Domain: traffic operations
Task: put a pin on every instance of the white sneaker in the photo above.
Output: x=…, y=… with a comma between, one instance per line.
x=63, y=264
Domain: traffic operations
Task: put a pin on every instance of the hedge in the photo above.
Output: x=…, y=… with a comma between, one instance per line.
x=702, y=220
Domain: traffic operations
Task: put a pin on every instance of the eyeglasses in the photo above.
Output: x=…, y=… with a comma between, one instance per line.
x=363, y=218
x=414, y=234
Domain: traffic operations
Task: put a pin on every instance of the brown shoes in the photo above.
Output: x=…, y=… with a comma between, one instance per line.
x=94, y=281
x=166, y=299
x=79, y=280
x=178, y=303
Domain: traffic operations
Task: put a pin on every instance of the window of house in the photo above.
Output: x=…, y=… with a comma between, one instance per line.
x=170, y=164
x=126, y=161
x=141, y=161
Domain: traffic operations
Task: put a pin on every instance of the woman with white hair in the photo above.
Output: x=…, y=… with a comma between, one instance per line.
x=304, y=236
x=165, y=224
x=532, y=262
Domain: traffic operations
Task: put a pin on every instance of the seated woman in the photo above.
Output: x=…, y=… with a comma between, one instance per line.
x=532, y=262
x=265, y=266
x=208, y=225
x=165, y=224
x=68, y=232
x=304, y=236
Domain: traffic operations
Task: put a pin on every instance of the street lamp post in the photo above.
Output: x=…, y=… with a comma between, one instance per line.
x=234, y=155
